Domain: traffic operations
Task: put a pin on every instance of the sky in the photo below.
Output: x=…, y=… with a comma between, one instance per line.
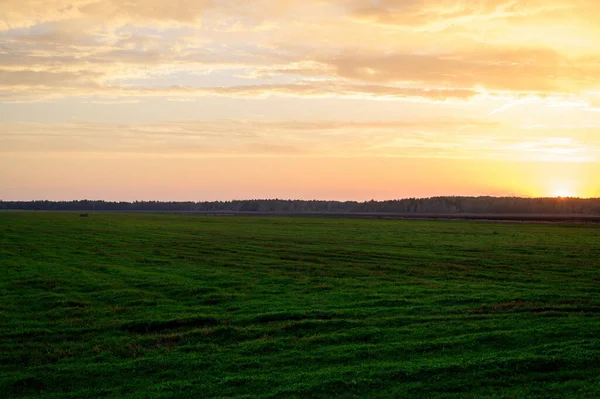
x=326, y=99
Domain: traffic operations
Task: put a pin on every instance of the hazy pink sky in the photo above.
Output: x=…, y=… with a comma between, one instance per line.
x=331, y=99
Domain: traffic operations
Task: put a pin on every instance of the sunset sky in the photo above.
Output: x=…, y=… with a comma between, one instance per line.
x=328, y=99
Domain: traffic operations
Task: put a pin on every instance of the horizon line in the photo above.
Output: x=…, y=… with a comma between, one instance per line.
x=314, y=199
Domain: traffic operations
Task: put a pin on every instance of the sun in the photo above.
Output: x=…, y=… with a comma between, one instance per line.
x=563, y=193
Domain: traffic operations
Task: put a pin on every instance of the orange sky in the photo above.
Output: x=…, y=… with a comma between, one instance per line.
x=331, y=99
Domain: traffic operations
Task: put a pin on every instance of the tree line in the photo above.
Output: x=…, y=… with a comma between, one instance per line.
x=434, y=205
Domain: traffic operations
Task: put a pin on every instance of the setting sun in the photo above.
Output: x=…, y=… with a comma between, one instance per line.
x=565, y=189
x=563, y=193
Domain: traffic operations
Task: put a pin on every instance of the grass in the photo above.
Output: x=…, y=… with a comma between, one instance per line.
x=174, y=306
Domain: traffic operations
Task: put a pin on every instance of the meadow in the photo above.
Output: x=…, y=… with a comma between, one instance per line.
x=176, y=306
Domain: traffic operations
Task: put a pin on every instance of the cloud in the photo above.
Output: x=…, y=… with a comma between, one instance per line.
x=556, y=149
x=441, y=14
x=223, y=136
x=444, y=49
x=417, y=138
x=532, y=70
x=39, y=85
x=25, y=13
x=30, y=78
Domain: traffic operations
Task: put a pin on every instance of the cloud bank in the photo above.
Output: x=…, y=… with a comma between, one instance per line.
x=426, y=49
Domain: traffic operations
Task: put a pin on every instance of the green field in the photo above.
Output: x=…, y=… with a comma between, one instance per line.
x=172, y=306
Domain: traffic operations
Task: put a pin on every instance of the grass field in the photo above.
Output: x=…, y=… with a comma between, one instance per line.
x=173, y=306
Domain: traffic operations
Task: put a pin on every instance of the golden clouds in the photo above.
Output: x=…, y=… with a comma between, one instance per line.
x=442, y=14
x=518, y=70
x=432, y=49
x=25, y=13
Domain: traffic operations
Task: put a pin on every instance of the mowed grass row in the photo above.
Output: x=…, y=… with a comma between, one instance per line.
x=171, y=306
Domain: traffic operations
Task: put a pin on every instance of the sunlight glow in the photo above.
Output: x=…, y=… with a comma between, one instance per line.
x=563, y=193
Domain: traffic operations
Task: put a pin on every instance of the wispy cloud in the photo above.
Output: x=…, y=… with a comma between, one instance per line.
x=61, y=44
x=422, y=139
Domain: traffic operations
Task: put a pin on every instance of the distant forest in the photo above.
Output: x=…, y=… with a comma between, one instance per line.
x=435, y=205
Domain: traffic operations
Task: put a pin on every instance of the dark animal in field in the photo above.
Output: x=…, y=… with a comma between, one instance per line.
x=83, y=215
